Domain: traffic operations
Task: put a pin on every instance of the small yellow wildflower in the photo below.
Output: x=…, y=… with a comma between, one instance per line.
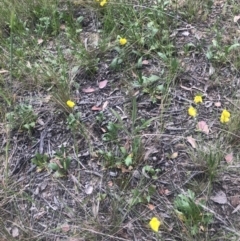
x=122, y=41
x=103, y=2
x=70, y=104
x=192, y=111
x=198, y=99
x=225, y=116
x=154, y=224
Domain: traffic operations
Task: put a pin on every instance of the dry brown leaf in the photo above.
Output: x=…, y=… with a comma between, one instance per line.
x=235, y=201
x=103, y=130
x=151, y=206
x=229, y=158
x=47, y=98
x=96, y=108
x=202, y=228
x=164, y=191
x=220, y=198
x=62, y=26
x=102, y=84
x=105, y=104
x=2, y=71
x=185, y=33
x=40, y=122
x=174, y=155
x=65, y=227
x=192, y=141
x=203, y=127
x=145, y=62
x=211, y=70
x=124, y=169
x=40, y=40
x=88, y=90
x=29, y=65
x=15, y=232
x=236, y=18
x=218, y=104
x=88, y=189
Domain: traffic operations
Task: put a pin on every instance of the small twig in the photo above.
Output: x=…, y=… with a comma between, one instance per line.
x=183, y=29
x=92, y=172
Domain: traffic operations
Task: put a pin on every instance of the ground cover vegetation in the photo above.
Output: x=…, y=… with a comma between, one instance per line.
x=119, y=120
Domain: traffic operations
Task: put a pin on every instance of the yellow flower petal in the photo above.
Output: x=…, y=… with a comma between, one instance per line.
x=154, y=224
x=225, y=116
x=70, y=104
x=226, y=113
x=192, y=111
x=122, y=41
x=198, y=99
x=102, y=3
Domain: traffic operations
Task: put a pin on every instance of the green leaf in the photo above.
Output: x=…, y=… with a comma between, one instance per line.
x=128, y=160
x=209, y=54
x=66, y=164
x=114, y=63
x=123, y=150
x=32, y=124
x=53, y=166
x=59, y=174
x=153, y=78
x=139, y=63
x=160, y=88
x=234, y=46
x=162, y=56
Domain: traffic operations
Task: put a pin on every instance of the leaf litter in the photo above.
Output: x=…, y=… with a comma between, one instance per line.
x=203, y=127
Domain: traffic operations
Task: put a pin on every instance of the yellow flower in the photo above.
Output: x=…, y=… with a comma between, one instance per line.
x=192, y=111
x=198, y=99
x=70, y=104
x=225, y=116
x=122, y=41
x=103, y=2
x=154, y=224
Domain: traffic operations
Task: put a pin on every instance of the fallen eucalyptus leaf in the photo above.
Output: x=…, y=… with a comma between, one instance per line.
x=229, y=158
x=88, y=189
x=219, y=198
x=174, y=155
x=192, y=141
x=88, y=90
x=102, y=84
x=203, y=127
x=15, y=232
x=236, y=18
